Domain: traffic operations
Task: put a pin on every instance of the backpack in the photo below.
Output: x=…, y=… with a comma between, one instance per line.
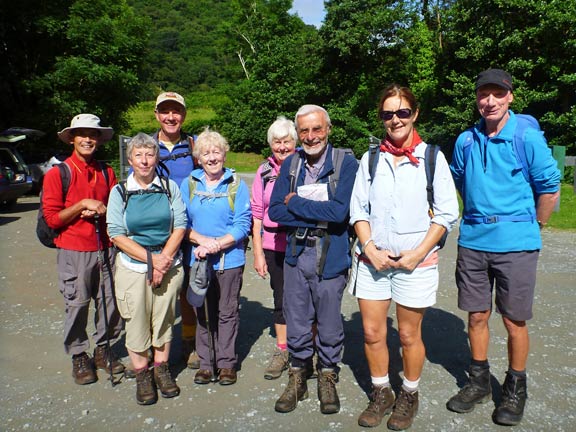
x=126, y=194
x=45, y=234
x=430, y=155
x=524, y=121
x=338, y=155
x=231, y=190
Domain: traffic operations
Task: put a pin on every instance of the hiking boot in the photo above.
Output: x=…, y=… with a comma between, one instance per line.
x=227, y=376
x=145, y=388
x=327, y=394
x=189, y=353
x=514, y=395
x=130, y=373
x=405, y=409
x=381, y=402
x=296, y=390
x=278, y=364
x=478, y=390
x=83, y=369
x=203, y=376
x=165, y=382
x=102, y=358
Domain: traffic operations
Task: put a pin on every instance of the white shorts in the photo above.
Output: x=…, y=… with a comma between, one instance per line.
x=415, y=289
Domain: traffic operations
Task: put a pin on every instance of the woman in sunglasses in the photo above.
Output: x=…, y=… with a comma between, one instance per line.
x=397, y=257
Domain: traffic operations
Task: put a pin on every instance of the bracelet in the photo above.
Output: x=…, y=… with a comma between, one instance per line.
x=366, y=243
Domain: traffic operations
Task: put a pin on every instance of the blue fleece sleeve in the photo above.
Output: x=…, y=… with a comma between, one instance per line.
x=543, y=168
x=458, y=163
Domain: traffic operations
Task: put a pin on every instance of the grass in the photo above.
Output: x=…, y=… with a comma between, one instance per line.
x=565, y=219
x=244, y=162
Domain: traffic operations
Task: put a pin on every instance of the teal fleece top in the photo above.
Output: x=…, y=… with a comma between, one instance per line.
x=491, y=183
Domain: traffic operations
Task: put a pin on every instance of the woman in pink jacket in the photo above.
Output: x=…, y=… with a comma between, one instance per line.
x=268, y=238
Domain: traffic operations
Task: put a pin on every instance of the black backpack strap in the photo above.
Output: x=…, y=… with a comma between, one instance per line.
x=295, y=167
x=65, y=176
x=373, y=156
x=430, y=155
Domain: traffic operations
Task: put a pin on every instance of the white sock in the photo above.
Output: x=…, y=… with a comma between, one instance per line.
x=381, y=381
x=410, y=386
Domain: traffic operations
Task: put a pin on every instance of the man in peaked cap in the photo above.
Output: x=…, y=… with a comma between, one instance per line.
x=504, y=211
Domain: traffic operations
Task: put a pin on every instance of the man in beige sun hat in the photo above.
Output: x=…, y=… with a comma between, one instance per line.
x=74, y=199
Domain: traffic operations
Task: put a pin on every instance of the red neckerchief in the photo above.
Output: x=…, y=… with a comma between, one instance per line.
x=387, y=146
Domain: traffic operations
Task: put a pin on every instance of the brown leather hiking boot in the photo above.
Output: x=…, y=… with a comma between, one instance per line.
x=296, y=390
x=102, y=360
x=405, y=409
x=327, y=394
x=478, y=390
x=83, y=369
x=189, y=353
x=278, y=364
x=227, y=376
x=381, y=402
x=165, y=382
x=145, y=388
x=514, y=395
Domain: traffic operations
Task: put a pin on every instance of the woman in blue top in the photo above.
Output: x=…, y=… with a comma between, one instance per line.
x=147, y=222
x=219, y=220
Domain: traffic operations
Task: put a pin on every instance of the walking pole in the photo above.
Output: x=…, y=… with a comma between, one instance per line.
x=211, y=347
x=104, y=306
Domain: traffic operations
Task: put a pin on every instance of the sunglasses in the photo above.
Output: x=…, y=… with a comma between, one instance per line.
x=403, y=113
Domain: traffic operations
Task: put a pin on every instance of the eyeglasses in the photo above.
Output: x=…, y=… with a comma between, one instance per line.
x=403, y=113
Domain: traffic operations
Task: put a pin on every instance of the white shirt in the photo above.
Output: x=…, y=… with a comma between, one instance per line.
x=398, y=209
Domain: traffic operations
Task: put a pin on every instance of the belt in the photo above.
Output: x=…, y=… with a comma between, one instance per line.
x=363, y=258
x=496, y=219
x=310, y=242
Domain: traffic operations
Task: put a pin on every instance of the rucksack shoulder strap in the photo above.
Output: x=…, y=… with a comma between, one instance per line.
x=430, y=155
x=295, y=167
x=65, y=176
x=338, y=155
x=523, y=122
x=373, y=156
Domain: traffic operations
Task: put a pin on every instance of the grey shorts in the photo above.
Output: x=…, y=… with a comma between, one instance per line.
x=511, y=275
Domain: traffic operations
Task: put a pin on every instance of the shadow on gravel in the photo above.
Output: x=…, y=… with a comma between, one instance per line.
x=355, y=358
x=446, y=342
x=254, y=320
x=20, y=207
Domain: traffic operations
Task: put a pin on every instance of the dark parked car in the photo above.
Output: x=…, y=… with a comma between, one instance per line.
x=15, y=178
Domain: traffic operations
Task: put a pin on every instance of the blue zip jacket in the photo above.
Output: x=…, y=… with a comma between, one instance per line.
x=491, y=183
x=302, y=212
x=213, y=217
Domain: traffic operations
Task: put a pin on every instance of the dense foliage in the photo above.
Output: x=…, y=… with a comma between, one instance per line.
x=65, y=56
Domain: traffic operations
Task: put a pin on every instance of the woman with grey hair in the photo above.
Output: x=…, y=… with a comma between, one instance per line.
x=269, y=238
x=219, y=218
x=147, y=222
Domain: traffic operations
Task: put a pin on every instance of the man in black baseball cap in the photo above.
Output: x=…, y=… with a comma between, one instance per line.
x=497, y=77
x=499, y=239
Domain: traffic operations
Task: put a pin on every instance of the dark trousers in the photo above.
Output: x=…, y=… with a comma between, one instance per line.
x=275, y=263
x=308, y=298
x=223, y=299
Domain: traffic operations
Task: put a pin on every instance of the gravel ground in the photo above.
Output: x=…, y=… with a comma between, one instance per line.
x=38, y=393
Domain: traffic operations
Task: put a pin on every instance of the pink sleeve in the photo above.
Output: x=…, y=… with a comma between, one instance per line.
x=256, y=201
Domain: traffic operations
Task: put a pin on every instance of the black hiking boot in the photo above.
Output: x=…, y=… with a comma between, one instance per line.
x=478, y=390
x=514, y=395
x=381, y=402
x=296, y=390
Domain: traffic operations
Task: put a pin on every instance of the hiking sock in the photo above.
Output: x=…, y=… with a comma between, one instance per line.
x=410, y=386
x=381, y=381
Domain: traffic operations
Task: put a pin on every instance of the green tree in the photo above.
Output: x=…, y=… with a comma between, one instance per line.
x=531, y=39
x=280, y=60
x=87, y=60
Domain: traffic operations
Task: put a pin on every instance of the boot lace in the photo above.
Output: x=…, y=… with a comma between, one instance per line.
x=377, y=400
x=163, y=376
x=278, y=361
x=404, y=403
x=328, y=384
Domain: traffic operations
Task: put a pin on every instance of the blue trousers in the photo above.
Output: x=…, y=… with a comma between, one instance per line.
x=309, y=298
